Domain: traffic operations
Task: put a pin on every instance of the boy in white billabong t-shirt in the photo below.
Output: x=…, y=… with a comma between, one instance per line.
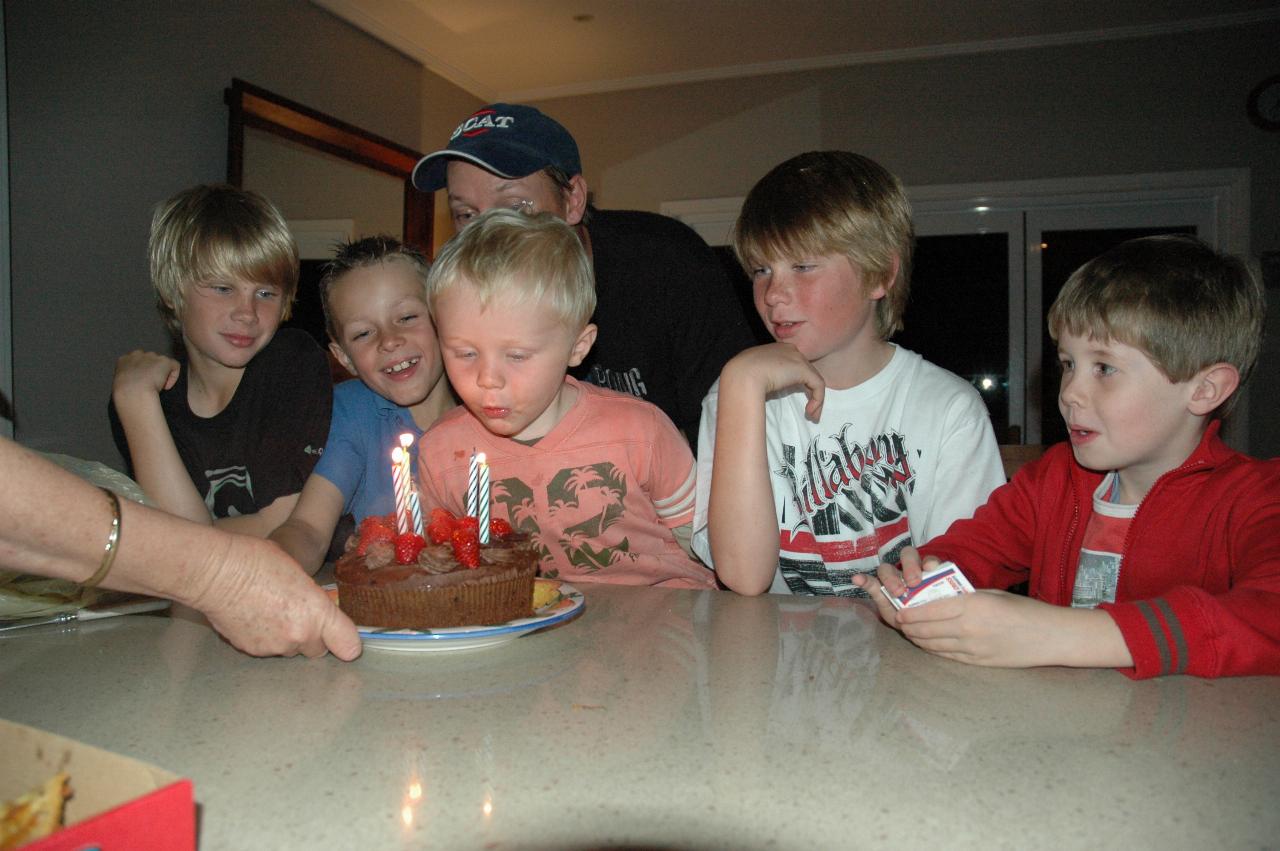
x=825, y=453
x=602, y=481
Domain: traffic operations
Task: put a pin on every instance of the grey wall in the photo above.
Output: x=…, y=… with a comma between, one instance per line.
x=114, y=107
x=1156, y=104
x=1170, y=103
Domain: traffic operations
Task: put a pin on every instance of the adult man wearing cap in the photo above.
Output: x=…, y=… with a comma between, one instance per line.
x=667, y=315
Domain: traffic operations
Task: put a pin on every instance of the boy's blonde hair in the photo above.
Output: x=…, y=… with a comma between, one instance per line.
x=833, y=202
x=218, y=232
x=519, y=259
x=360, y=254
x=1183, y=304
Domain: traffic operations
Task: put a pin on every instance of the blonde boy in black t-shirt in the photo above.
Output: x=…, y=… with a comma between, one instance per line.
x=230, y=432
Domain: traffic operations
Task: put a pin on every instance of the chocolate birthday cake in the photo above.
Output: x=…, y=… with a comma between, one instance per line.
x=448, y=579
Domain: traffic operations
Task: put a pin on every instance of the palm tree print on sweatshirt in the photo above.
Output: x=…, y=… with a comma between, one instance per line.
x=582, y=502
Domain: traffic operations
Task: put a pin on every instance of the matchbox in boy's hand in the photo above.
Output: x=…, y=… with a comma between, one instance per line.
x=943, y=581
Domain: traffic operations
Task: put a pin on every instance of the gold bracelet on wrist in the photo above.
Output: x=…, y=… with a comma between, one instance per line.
x=113, y=538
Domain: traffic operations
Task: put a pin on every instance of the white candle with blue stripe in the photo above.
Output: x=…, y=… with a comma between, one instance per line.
x=482, y=499
x=473, y=486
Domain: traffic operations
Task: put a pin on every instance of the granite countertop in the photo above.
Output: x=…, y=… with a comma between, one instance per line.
x=662, y=718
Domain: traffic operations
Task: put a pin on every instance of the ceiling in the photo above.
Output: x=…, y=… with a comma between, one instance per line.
x=527, y=50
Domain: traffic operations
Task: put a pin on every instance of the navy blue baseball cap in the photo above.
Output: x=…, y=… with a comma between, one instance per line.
x=507, y=139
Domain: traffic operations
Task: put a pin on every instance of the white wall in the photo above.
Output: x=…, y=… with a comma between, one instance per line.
x=1165, y=103
x=444, y=107
x=1162, y=104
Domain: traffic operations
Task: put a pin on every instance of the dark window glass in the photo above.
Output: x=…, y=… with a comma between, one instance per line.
x=307, y=312
x=958, y=314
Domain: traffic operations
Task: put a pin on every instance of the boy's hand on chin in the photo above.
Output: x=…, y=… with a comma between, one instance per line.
x=141, y=371
x=773, y=367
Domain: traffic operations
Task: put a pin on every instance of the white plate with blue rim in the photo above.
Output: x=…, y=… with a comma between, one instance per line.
x=567, y=607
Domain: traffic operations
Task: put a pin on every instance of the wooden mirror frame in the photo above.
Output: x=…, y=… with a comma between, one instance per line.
x=256, y=107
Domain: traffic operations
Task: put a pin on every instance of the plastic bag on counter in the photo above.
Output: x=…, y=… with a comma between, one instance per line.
x=25, y=596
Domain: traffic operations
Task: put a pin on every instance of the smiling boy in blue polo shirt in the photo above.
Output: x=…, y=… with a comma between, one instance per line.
x=375, y=309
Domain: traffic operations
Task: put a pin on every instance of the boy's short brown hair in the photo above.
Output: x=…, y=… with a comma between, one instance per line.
x=826, y=202
x=213, y=232
x=360, y=254
x=525, y=258
x=1183, y=304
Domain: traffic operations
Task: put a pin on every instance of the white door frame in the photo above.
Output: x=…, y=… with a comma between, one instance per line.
x=317, y=238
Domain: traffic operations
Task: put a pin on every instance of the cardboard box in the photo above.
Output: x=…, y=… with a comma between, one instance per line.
x=117, y=803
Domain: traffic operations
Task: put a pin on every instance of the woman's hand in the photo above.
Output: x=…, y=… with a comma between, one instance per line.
x=262, y=602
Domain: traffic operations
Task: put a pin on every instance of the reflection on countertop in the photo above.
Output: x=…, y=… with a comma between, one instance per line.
x=671, y=719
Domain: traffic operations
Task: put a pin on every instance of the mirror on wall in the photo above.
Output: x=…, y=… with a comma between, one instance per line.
x=315, y=186
x=332, y=180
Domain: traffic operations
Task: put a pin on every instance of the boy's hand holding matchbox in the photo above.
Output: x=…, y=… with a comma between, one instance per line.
x=943, y=581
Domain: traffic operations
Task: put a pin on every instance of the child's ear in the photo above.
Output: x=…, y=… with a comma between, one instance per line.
x=582, y=345
x=1212, y=386
x=887, y=281
x=172, y=308
x=342, y=358
x=575, y=200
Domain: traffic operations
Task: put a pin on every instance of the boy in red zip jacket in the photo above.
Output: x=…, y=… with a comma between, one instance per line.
x=1147, y=543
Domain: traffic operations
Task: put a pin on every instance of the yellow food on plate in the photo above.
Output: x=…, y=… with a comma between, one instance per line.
x=545, y=592
x=34, y=815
